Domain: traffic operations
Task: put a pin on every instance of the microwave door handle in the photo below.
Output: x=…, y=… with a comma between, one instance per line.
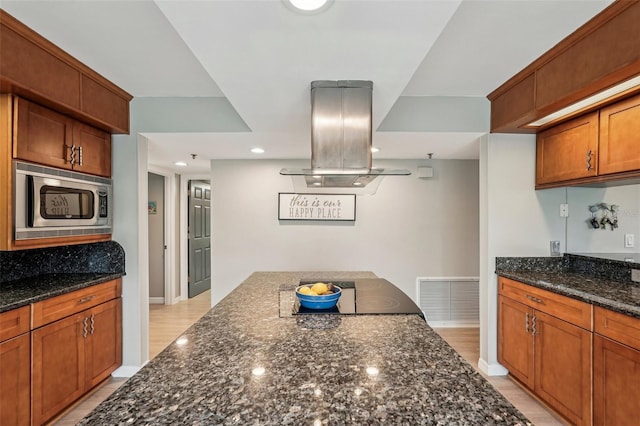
x=31, y=205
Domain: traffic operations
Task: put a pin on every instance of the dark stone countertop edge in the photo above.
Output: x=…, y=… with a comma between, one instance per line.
x=47, y=286
x=532, y=278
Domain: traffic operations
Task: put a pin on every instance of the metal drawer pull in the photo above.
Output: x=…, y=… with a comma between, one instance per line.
x=84, y=327
x=534, y=330
x=589, y=153
x=92, y=324
x=72, y=155
x=526, y=322
x=87, y=299
x=534, y=299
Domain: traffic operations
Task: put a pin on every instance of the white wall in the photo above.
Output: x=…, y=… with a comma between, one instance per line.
x=515, y=219
x=129, y=170
x=582, y=238
x=411, y=227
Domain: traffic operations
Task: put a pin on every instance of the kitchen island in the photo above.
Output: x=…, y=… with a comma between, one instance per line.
x=245, y=363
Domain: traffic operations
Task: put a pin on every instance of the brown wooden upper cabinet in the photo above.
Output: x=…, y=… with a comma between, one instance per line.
x=591, y=149
x=33, y=67
x=46, y=137
x=568, y=151
x=620, y=137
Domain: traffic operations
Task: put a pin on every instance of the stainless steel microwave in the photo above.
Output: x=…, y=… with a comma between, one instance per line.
x=51, y=202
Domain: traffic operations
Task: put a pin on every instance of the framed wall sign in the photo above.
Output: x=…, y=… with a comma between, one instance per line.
x=294, y=206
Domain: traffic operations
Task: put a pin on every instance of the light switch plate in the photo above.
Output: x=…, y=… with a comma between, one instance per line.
x=629, y=240
x=564, y=210
x=554, y=248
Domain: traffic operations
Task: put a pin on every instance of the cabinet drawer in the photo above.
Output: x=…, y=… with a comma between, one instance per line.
x=616, y=326
x=62, y=306
x=14, y=322
x=565, y=308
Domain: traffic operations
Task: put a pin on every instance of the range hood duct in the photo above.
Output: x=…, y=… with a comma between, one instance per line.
x=341, y=129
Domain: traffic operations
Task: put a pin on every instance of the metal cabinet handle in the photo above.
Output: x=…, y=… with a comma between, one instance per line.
x=589, y=154
x=72, y=154
x=526, y=322
x=93, y=328
x=80, y=156
x=534, y=329
x=86, y=299
x=534, y=299
x=84, y=327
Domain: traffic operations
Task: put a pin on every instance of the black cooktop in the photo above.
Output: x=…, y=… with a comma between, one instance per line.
x=368, y=296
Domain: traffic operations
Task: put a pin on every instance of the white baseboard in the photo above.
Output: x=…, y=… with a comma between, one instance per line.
x=126, y=371
x=156, y=300
x=494, y=369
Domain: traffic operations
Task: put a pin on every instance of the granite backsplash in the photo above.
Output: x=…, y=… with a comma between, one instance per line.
x=606, y=268
x=103, y=257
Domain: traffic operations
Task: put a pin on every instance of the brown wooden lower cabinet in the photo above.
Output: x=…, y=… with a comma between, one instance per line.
x=548, y=355
x=616, y=383
x=15, y=381
x=77, y=344
x=616, y=368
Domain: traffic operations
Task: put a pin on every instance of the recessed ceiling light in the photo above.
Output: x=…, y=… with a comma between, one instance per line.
x=308, y=6
x=180, y=163
x=374, y=149
x=257, y=150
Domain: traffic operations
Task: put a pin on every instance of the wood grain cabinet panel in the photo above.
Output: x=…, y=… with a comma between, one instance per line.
x=95, y=146
x=57, y=367
x=515, y=343
x=620, y=137
x=15, y=381
x=104, y=343
x=563, y=367
x=568, y=151
x=616, y=394
x=45, y=137
x=616, y=363
x=544, y=349
x=25, y=63
x=41, y=135
x=14, y=322
x=76, y=344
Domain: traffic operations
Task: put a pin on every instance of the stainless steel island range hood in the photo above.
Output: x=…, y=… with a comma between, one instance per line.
x=341, y=129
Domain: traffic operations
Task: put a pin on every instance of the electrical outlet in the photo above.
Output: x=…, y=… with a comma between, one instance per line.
x=629, y=240
x=564, y=210
x=554, y=248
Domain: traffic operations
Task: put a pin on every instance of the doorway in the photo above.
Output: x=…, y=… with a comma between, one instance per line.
x=157, y=244
x=199, y=237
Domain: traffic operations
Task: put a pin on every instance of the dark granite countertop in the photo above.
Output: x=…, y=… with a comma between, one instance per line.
x=242, y=364
x=599, y=281
x=17, y=293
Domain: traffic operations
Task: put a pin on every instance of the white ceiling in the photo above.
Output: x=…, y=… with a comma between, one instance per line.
x=261, y=57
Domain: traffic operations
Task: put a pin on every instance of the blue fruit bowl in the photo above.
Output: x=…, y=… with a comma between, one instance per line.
x=323, y=301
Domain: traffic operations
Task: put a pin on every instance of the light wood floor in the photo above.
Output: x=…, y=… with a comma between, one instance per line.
x=166, y=323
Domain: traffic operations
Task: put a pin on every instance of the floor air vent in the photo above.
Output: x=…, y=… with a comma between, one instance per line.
x=449, y=301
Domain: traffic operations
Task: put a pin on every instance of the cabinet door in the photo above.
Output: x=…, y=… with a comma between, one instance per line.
x=95, y=154
x=616, y=374
x=563, y=367
x=620, y=137
x=15, y=381
x=515, y=342
x=41, y=135
x=568, y=151
x=57, y=366
x=104, y=342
